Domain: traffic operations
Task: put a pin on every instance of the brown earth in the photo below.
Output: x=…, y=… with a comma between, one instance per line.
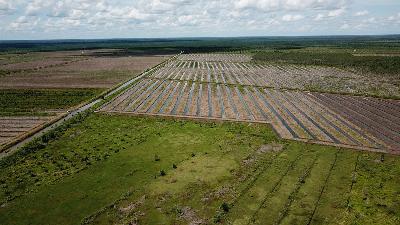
x=67, y=70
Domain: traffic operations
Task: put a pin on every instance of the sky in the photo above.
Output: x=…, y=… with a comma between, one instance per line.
x=86, y=19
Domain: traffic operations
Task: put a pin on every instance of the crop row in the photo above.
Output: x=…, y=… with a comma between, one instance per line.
x=294, y=115
x=11, y=127
x=215, y=57
x=378, y=117
x=289, y=76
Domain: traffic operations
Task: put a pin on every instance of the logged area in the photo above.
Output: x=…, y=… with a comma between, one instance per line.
x=47, y=84
x=130, y=170
x=240, y=91
x=74, y=69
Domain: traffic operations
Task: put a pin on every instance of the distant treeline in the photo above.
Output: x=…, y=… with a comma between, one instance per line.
x=193, y=45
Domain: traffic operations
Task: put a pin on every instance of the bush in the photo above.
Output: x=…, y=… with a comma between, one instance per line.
x=225, y=206
x=162, y=173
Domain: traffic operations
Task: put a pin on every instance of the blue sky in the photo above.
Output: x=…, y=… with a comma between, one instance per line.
x=51, y=19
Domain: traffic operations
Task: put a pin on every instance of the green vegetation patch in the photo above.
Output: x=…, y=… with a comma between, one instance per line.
x=106, y=169
x=194, y=170
x=37, y=101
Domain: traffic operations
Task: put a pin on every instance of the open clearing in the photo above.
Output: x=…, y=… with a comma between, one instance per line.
x=239, y=91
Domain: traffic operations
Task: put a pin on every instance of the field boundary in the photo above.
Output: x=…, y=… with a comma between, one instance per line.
x=221, y=120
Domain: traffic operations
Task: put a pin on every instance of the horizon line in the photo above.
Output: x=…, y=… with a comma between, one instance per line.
x=201, y=37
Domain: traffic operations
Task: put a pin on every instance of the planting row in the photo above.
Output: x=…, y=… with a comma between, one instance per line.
x=12, y=127
x=215, y=57
x=378, y=117
x=289, y=76
x=294, y=115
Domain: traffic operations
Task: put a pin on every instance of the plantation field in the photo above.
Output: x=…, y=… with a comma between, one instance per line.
x=42, y=101
x=226, y=69
x=22, y=110
x=12, y=127
x=222, y=90
x=121, y=170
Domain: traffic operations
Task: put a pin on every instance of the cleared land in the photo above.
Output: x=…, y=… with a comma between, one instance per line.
x=239, y=92
x=89, y=70
x=50, y=83
x=310, y=78
x=12, y=127
x=110, y=169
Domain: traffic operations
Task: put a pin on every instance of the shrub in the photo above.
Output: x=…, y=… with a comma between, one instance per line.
x=162, y=173
x=225, y=206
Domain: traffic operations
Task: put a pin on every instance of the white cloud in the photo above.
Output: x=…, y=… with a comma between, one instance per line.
x=296, y=5
x=371, y=20
x=6, y=7
x=291, y=18
x=36, y=6
x=330, y=14
x=344, y=26
x=23, y=23
x=362, y=13
x=188, y=17
x=394, y=19
x=336, y=12
x=319, y=17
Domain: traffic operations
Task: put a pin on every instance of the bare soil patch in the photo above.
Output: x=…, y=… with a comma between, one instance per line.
x=96, y=72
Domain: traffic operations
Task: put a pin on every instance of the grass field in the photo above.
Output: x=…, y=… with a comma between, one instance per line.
x=119, y=170
x=37, y=101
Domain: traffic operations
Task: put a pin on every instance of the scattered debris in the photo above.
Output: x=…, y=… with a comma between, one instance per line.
x=132, y=206
x=189, y=215
x=270, y=147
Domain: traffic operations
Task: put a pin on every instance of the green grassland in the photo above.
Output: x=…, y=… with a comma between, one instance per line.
x=103, y=169
x=37, y=101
